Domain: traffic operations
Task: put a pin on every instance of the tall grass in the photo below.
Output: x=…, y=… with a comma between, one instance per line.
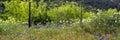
x=66, y=33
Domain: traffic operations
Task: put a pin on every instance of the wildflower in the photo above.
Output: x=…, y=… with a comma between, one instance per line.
x=101, y=38
x=59, y=25
x=39, y=26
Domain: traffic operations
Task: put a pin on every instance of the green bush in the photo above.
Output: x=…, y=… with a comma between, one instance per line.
x=106, y=21
x=17, y=9
x=64, y=13
x=39, y=14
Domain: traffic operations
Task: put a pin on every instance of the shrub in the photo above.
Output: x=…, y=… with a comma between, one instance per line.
x=17, y=9
x=39, y=13
x=64, y=13
x=106, y=21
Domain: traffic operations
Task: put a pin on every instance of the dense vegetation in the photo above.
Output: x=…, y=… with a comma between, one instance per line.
x=60, y=20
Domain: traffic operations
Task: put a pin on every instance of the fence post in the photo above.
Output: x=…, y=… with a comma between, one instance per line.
x=29, y=14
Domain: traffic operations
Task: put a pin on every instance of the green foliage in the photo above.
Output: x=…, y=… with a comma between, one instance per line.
x=17, y=10
x=59, y=12
x=64, y=13
x=106, y=21
x=39, y=14
x=3, y=16
x=1, y=30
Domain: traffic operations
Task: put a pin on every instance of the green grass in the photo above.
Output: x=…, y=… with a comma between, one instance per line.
x=17, y=32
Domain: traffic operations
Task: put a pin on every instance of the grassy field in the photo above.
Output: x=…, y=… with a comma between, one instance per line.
x=18, y=32
x=60, y=20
